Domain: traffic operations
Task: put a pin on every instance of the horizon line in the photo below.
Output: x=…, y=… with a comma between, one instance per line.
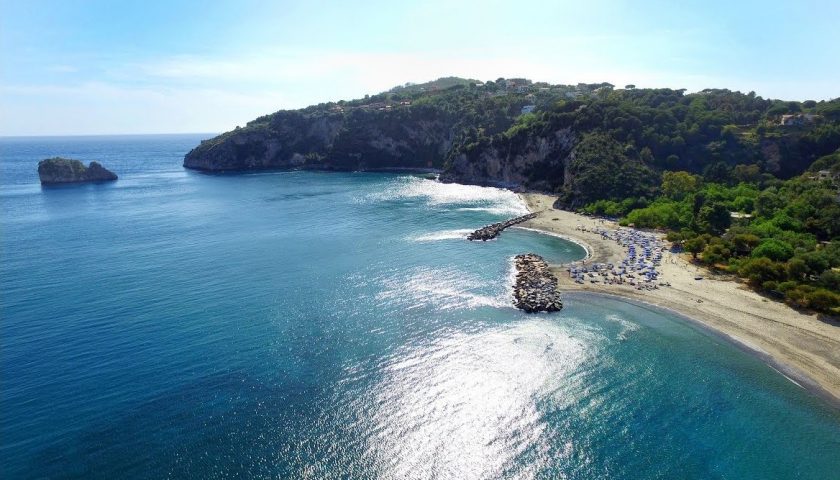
x=106, y=134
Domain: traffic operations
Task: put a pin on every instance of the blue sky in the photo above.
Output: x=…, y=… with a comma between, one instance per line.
x=100, y=67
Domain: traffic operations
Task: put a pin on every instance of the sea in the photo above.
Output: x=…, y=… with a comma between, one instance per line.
x=177, y=324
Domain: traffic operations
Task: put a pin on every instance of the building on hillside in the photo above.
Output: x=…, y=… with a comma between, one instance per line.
x=528, y=109
x=797, y=119
x=825, y=175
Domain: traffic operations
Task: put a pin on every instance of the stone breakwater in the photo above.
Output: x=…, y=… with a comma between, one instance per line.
x=492, y=231
x=535, y=289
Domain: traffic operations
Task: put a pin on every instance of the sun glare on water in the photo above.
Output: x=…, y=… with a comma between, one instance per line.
x=465, y=406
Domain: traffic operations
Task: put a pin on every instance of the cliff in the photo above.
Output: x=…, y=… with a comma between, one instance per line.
x=59, y=170
x=359, y=140
x=583, y=143
x=536, y=162
x=411, y=127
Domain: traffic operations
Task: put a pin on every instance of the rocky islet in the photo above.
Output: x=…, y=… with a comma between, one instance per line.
x=57, y=170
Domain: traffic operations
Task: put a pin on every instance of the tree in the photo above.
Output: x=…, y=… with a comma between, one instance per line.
x=676, y=185
x=822, y=300
x=773, y=249
x=695, y=245
x=746, y=173
x=714, y=218
x=796, y=268
x=745, y=242
x=658, y=215
x=761, y=270
x=717, y=172
x=716, y=252
x=830, y=279
x=768, y=202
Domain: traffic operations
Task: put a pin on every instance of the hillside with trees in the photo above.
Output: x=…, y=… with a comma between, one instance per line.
x=748, y=185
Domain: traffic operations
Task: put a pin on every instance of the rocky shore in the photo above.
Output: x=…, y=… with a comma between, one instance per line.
x=492, y=231
x=535, y=289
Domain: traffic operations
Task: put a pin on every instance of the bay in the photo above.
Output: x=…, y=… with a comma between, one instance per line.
x=338, y=325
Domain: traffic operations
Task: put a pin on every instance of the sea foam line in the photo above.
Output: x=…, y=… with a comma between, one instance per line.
x=459, y=234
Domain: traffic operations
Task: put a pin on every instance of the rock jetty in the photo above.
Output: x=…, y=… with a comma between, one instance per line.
x=57, y=170
x=535, y=289
x=492, y=231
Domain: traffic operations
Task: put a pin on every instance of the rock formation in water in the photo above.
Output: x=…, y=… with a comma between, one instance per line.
x=492, y=231
x=59, y=170
x=535, y=289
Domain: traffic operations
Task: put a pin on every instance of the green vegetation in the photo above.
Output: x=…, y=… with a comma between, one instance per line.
x=717, y=135
x=783, y=237
x=749, y=185
x=58, y=170
x=741, y=189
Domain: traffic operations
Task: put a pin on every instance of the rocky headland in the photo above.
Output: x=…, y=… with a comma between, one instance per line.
x=535, y=289
x=584, y=142
x=359, y=138
x=57, y=170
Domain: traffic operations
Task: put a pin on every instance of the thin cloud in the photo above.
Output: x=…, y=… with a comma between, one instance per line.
x=62, y=69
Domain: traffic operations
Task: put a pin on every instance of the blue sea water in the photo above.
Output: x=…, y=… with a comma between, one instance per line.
x=175, y=324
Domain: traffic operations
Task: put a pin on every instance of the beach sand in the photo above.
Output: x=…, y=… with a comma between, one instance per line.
x=803, y=347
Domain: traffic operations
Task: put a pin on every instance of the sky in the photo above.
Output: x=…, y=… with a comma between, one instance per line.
x=75, y=67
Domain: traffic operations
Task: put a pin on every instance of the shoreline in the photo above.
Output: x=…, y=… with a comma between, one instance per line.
x=567, y=238
x=799, y=346
x=790, y=372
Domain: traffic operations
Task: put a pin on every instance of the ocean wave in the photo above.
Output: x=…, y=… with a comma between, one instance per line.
x=506, y=210
x=469, y=197
x=442, y=235
x=444, y=289
x=627, y=326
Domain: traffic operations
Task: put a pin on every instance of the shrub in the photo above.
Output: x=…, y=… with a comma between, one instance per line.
x=774, y=250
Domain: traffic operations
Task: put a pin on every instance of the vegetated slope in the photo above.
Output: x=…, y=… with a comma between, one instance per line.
x=583, y=142
x=748, y=185
x=413, y=126
x=615, y=143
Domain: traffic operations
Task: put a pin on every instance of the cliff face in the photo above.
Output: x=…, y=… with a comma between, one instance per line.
x=62, y=170
x=584, y=143
x=359, y=140
x=578, y=167
x=537, y=162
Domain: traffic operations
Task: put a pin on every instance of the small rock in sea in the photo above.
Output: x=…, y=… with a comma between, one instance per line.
x=59, y=170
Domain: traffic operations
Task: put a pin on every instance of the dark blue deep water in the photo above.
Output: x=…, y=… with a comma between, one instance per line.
x=310, y=325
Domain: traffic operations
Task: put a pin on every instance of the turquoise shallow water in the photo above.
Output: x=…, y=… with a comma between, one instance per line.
x=313, y=325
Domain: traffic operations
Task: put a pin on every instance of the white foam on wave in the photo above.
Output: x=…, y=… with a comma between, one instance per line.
x=503, y=210
x=469, y=197
x=441, y=288
x=459, y=234
x=627, y=326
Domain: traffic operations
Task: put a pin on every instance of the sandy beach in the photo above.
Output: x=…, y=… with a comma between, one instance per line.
x=803, y=347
